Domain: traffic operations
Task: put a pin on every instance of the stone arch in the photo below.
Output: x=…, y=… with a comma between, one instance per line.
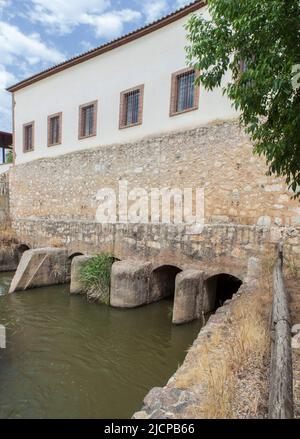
x=162, y=282
x=73, y=255
x=219, y=288
x=22, y=248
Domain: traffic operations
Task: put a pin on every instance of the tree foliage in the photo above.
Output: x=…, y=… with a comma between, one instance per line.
x=265, y=34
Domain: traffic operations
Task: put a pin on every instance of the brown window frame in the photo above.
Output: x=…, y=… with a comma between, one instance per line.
x=174, y=92
x=80, y=122
x=122, y=116
x=25, y=125
x=52, y=116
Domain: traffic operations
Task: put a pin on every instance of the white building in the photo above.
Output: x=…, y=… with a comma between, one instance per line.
x=136, y=86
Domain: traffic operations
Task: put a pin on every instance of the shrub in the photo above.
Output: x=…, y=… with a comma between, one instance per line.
x=9, y=157
x=95, y=275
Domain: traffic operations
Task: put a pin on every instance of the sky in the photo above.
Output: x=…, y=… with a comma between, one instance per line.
x=36, y=34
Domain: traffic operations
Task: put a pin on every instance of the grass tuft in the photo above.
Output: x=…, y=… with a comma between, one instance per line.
x=95, y=276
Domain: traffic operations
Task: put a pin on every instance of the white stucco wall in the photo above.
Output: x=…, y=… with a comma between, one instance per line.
x=4, y=168
x=150, y=60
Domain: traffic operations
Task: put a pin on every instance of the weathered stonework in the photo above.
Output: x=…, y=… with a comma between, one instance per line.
x=130, y=284
x=9, y=257
x=188, y=301
x=218, y=157
x=41, y=267
x=218, y=249
x=246, y=212
x=77, y=286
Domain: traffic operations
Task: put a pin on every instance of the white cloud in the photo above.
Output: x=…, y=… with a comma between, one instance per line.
x=6, y=79
x=14, y=43
x=111, y=24
x=65, y=16
x=3, y=3
x=154, y=9
x=181, y=3
x=24, y=52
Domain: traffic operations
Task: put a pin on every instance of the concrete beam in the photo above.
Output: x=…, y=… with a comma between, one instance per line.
x=77, y=287
x=41, y=267
x=188, y=300
x=130, y=284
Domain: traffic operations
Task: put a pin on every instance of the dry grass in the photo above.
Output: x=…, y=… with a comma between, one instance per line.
x=230, y=371
x=291, y=267
x=55, y=242
x=7, y=237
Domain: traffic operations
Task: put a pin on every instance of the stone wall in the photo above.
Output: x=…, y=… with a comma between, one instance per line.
x=246, y=212
x=218, y=249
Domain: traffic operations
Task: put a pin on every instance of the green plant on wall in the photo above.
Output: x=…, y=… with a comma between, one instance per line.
x=95, y=276
x=9, y=157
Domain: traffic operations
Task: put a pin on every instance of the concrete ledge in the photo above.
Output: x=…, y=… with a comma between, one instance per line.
x=130, y=284
x=41, y=267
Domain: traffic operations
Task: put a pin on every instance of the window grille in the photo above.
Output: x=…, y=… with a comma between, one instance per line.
x=185, y=91
x=87, y=120
x=28, y=144
x=131, y=107
x=54, y=129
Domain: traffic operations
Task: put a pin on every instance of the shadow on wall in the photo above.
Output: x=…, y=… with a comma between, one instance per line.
x=20, y=250
x=163, y=282
x=73, y=255
x=219, y=288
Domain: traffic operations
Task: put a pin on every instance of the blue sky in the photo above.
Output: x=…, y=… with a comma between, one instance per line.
x=35, y=34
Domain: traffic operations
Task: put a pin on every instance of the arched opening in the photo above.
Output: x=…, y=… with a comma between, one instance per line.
x=73, y=255
x=218, y=289
x=20, y=250
x=163, y=282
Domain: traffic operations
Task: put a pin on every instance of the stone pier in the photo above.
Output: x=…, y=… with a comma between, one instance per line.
x=77, y=286
x=188, y=300
x=41, y=267
x=130, y=282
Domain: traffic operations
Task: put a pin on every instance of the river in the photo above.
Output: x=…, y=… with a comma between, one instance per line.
x=66, y=358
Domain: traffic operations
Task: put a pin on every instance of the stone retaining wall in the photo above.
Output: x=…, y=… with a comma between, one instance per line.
x=217, y=157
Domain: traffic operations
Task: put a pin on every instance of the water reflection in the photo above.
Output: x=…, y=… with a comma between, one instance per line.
x=66, y=358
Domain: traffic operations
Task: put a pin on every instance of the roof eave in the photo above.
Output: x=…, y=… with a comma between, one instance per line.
x=177, y=15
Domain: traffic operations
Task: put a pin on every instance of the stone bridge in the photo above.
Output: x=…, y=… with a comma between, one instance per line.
x=199, y=268
x=54, y=202
x=216, y=249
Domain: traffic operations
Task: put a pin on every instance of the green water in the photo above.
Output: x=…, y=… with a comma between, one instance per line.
x=66, y=358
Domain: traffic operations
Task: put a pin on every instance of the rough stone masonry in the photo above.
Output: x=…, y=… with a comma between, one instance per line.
x=246, y=211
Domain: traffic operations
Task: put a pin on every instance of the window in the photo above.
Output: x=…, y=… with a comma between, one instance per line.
x=88, y=120
x=54, y=129
x=131, y=107
x=184, y=92
x=28, y=137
